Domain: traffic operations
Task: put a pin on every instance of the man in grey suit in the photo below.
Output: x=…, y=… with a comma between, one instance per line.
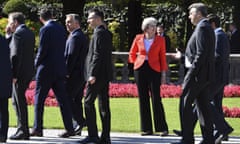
x=22, y=59
x=5, y=88
x=199, y=59
x=99, y=73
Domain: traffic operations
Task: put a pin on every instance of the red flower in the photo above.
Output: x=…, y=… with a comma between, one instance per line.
x=117, y=90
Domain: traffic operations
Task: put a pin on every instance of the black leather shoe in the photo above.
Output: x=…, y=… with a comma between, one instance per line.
x=164, y=133
x=20, y=135
x=146, y=133
x=104, y=140
x=36, y=133
x=78, y=129
x=66, y=134
x=91, y=140
x=3, y=140
x=222, y=137
x=177, y=132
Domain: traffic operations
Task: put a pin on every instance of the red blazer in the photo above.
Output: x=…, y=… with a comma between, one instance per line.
x=156, y=54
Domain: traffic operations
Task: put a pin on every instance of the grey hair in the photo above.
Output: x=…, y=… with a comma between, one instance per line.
x=76, y=17
x=201, y=7
x=148, y=21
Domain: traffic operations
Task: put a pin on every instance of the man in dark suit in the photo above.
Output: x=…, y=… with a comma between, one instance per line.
x=75, y=55
x=5, y=88
x=99, y=73
x=199, y=59
x=161, y=32
x=51, y=73
x=22, y=59
x=234, y=39
x=222, y=48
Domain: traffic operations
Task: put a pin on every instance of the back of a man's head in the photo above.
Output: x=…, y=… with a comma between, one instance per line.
x=45, y=14
x=214, y=19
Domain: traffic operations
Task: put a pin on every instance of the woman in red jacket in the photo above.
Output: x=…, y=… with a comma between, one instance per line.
x=147, y=54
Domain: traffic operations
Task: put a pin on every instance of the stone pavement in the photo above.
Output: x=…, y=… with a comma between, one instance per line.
x=51, y=137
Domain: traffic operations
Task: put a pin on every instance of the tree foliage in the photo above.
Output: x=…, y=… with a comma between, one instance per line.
x=15, y=5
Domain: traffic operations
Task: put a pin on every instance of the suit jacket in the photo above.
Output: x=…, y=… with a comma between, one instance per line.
x=235, y=42
x=5, y=73
x=168, y=42
x=200, y=52
x=22, y=53
x=50, y=59
x=99, y=58
x=222, y=49
x=75, y=54
x=156, y=54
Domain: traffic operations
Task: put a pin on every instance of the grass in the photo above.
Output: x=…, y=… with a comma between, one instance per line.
x=125, y=115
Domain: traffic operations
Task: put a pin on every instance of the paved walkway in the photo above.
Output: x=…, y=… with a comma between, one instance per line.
x=51, y=137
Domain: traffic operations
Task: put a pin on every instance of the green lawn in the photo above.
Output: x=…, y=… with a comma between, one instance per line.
x=125, y=115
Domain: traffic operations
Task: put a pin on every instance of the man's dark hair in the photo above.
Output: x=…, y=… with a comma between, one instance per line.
x=160, y=25
x=233, y=24
x=214, y=18
x=97, y=12
x=202, y=8
x=18, y=16
x=45, y=14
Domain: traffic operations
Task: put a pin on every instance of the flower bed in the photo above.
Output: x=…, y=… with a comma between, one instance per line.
x=130, y=90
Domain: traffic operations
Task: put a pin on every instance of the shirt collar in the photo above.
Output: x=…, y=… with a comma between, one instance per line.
x=74, y=30
x=47, y=22
x=18, y=27
x=201, y=21
x=217, y=29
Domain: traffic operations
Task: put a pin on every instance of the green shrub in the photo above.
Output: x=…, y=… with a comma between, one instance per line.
x=3, y=23
x=114, y=28
x=15, y=6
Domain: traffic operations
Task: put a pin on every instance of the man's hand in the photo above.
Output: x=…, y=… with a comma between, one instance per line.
x=92, y=80
x=14, y=80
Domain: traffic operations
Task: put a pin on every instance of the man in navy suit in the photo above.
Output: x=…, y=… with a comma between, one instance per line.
x=75, y=55
x=199, y=59
x=5, y=88
x=234, y=39
x=98, y=76
x=22, y=58
x=222, y=49
x=51, y=73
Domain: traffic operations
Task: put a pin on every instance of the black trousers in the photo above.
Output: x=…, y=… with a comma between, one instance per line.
x=20, y=104
x=4, y=118
x=220, y=124
x=75, y=91
x=198, y=94
x=149, y=81
x=98, y=90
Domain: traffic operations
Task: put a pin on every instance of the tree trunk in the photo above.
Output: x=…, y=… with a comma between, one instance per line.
x=73, y=6
x=134, y=19
x=189, y=26
x=236, y=12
